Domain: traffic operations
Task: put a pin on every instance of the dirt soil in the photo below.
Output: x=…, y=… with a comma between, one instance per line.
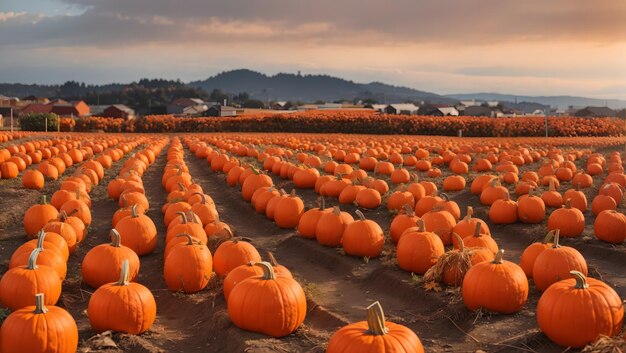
x=338, y=287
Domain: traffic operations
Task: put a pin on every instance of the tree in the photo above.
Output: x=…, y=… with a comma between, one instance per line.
x=37, y=122
x=253, y=103
x=242, y=97
x=217, y=96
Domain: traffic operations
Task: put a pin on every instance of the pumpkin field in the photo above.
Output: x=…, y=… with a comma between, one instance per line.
x=304, y=242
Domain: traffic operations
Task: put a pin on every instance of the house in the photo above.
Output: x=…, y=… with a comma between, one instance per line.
x=279, y=105
x=34, y=99
x=221, y=111
x=97, y=110
x=8, y=113
x=595, y=112
x=470, y=103
x=404, y=109
x=9, y=101
x=438, y=110
x=307, y=107
x=119, y=111
x=74, y=108
x=36, y=108
x=187, y=106
x=477, y=110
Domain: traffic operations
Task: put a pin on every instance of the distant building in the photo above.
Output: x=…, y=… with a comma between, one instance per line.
x=119, y=111
x=280, y=105
x=222, y=111
x=9, y=101
x=438, y=110
x=74, y=108
x=477, y=110
x=403, y=109
x=187, y=106
x=34, y=99
x=470, y=102
x=595, y=112
x=36, y=108
x=327, y=106
x=97, y=110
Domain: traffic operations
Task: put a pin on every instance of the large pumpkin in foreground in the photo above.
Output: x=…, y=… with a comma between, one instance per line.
x=122, y=306
x=375, y=336
x=269, y=304
x=38, y=328
x=576, y=311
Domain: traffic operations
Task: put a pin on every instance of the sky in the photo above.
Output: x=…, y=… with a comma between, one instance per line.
x=530, y=47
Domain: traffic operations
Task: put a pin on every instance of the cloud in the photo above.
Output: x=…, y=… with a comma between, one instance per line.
x=395, y=22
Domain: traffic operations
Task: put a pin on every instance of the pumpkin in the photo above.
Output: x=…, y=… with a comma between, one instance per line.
x=576, y=311
x=399, y=199
x=205, y=210
x=576, y=198
x=217, y=229
x=506, y=281
x=50, y=255
x=610, y=226
x=551, y=197
x=44, y=240
x=250, y=270
x=363, y=237
x=401, y=222
x=309, y=220
x=185, y=226
x=103, y=263
x=570, y=221
x=447, y=205
x=368, y=198
x=418, y=250
x=331, y=226
x=33, y=179
x=555, y=263
x=122, y=306
x=531, y=208
x=79, y=227
x=440, y=222
x=495, y=191
x=376, y=335
x=530, y=254
x=78, y=208
x=138, y=232
x=503, y=211
x=253, y=182
x=271, y=204
x=19, y=284
x=262, y=197
x=39, y=328
x=416, y=188
x=601, y=203
x=426, y=204
x=277, y=306
x=454, y=183
x=452, y=266
x=9, y=170
x=288, y=211
x=131, y=198
x=62, y=196
x=188, y=266
x=232, y=253
x=467, y=226
x=37, y=216
x=66, y=231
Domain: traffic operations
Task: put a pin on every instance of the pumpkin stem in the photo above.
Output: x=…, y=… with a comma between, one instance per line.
x=568, y=203
x=459, y=241
x=40, y=306
x=268, y=270
x=408, y=210
x=414, y=177
x=549, y=237
x=499, y=256
x=123, y=281
x=43, y=200
x=336, y=210
x=272, y=259
x=477, y=229
x=202, y=196
x=32, y=259
x=322, y=203
x=123, y=197
x=421, y=226
x=444, y=196
x=133, y=211
x=189, y=238
x=181, y=186
x=40, y=237
x=557, y=232
x=581, y=280
x=551, y=188
x=360, y=214
x=376, y=320
x=116, y=238
x=469, y=214
x=183, y=215
x=293, y=193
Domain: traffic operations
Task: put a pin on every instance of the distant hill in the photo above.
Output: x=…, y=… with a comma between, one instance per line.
x=562, y=102
x=309, y=88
